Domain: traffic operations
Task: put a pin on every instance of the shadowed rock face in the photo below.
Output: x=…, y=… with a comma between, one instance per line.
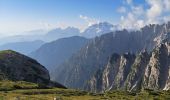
x=145, y=71
x=17, y=67
x=52, y=54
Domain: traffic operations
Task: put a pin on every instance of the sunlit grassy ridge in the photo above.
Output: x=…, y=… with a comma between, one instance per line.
x=9, y=85
x=30, y=91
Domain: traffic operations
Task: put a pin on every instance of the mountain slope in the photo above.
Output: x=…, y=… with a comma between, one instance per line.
x=147, y=71
x=54, y=53
x=93, y=56
x=22, y=47
x=17, y=67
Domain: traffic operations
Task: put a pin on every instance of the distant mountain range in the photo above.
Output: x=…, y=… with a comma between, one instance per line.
x=32, y=40
x=23, y=47
x=24, y=37
x=58, y=33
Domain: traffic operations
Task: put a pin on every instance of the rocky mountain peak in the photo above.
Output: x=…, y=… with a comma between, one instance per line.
x=98, y=29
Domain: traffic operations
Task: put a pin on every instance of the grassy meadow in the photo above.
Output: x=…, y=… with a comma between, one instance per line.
x=29, y=91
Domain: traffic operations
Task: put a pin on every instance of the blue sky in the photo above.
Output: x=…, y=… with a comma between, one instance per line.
x=24, y=15
x=67, y=12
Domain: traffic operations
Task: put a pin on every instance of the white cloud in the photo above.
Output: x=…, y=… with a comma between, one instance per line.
x=131, y=22
x=154, y=11
x=83, y=17
x=157, y=11
x=166, y=18
x=121, y=10
x=89, y=20
x=167, y=5
x=48, y=26
x=137, y=10
x=129, y=1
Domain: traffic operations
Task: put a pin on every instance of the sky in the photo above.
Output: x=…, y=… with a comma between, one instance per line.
x=17, y=16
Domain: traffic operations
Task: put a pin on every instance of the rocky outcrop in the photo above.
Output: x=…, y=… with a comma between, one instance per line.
x=17, y=67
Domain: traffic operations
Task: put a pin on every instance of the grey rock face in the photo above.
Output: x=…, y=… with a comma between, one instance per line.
x=157, y=71
x=145, y=71
x=135, y=77
x=115, y=73
x=110, y=72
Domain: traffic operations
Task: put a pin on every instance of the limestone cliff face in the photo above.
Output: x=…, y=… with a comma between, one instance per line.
x=114, y=75
x=126, y=62
x=157, y=71
x=94, y=85
x=135, y=77
x=133, y=73
x=110, y=72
